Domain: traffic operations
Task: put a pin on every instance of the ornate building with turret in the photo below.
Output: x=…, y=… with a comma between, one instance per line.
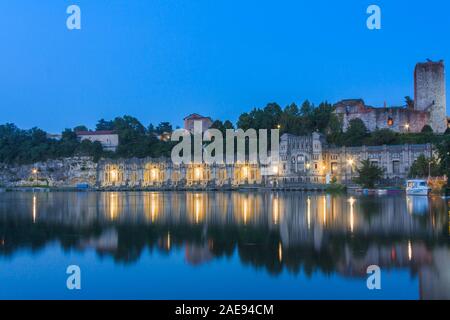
x=304, y=160
x=428, y=108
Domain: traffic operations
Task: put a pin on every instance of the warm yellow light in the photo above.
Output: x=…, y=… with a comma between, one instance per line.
x=154, y=206
x=113, y=175
x=407, y=126
x=275, y=169
x=34, y=171
x=154, y=174
x=244, y=172
x=410, y=250
x=350, y=162
x=275, y=210
x=280, y=251
x=245, y=209
x=279, y=126
x=308, y=165
x=34, y=208
x=308, y=211
x=198, y=173
x=168, y=241
x=324, y=210
x=351, y=200
x=113, y=206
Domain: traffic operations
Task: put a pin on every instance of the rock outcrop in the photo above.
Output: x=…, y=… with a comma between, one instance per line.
x=66, y=172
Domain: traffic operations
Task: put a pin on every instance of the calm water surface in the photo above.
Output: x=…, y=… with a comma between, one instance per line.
x=183, y=245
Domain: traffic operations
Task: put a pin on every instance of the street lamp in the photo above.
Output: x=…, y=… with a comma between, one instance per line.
x=407, y=127
x=34, y=171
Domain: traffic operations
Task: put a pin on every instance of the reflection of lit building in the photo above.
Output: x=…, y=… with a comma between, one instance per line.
x=196, y=254
x=196, y=205
x=270, y=230
x=153, y=205
x=113, y=205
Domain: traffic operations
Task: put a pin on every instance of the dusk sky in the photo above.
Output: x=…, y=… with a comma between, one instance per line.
x=160, y=60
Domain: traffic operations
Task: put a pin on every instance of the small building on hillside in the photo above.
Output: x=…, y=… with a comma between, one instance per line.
x=108, y=139
x=192, y=118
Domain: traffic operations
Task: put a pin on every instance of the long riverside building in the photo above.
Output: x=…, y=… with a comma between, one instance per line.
x=303, y=160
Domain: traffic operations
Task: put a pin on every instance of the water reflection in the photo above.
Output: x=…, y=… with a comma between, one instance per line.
x=278, y=231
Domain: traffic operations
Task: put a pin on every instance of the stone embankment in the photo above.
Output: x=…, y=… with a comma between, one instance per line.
x=59, y=173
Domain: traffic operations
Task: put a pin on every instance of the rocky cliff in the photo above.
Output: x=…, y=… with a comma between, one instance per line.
x=66, y=172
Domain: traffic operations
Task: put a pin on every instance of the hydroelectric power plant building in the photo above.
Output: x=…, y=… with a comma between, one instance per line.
x=303, y=160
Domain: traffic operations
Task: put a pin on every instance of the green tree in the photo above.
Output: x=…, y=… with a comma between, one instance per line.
x=356, y=133
x=409, y=102
x=319, y=118
x=443, y=149
x=289, y=119
x=382, y=137
x=427, y=129
x=164, y=127
x=423, y=166
x=102, y=124
x=80, y=128
x=368, y=174
x=222, y=126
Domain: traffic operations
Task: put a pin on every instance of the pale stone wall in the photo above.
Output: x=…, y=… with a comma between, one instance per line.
x=309, y=159
x=398, y=119
x=110, y=142
x=150, y=172
x=66, y=172
x=429, y=93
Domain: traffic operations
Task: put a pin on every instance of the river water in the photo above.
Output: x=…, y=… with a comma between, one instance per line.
x=222, y=245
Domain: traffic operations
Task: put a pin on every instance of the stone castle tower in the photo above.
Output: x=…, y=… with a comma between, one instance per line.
x=429, y=93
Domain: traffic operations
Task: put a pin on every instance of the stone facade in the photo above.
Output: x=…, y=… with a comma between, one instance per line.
x=189, y=121
x=108, y=139
x=398, y=119
x=154, y=173
x=429, y=105
x=308, y=159
x=67, y=172
x=429, y=92
x=303, y=160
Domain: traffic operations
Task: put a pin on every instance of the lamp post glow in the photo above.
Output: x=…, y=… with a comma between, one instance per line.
x=34, y=171
x=350, y=163
x=407, y=127
x=197, y=173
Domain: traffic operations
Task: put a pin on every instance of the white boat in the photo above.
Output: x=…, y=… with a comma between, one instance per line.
x=417, y=187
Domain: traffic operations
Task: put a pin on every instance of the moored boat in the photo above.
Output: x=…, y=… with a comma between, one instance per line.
x=418, y=187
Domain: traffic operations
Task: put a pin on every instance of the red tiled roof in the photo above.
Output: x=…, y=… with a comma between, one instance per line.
x=94, y=133
x=196, y=116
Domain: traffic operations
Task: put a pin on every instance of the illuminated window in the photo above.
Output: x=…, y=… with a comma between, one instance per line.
x=390, y=121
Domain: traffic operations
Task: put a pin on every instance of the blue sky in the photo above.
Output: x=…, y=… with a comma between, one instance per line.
x=160, y=60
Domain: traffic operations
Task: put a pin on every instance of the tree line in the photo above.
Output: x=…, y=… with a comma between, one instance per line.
x=137, y=140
